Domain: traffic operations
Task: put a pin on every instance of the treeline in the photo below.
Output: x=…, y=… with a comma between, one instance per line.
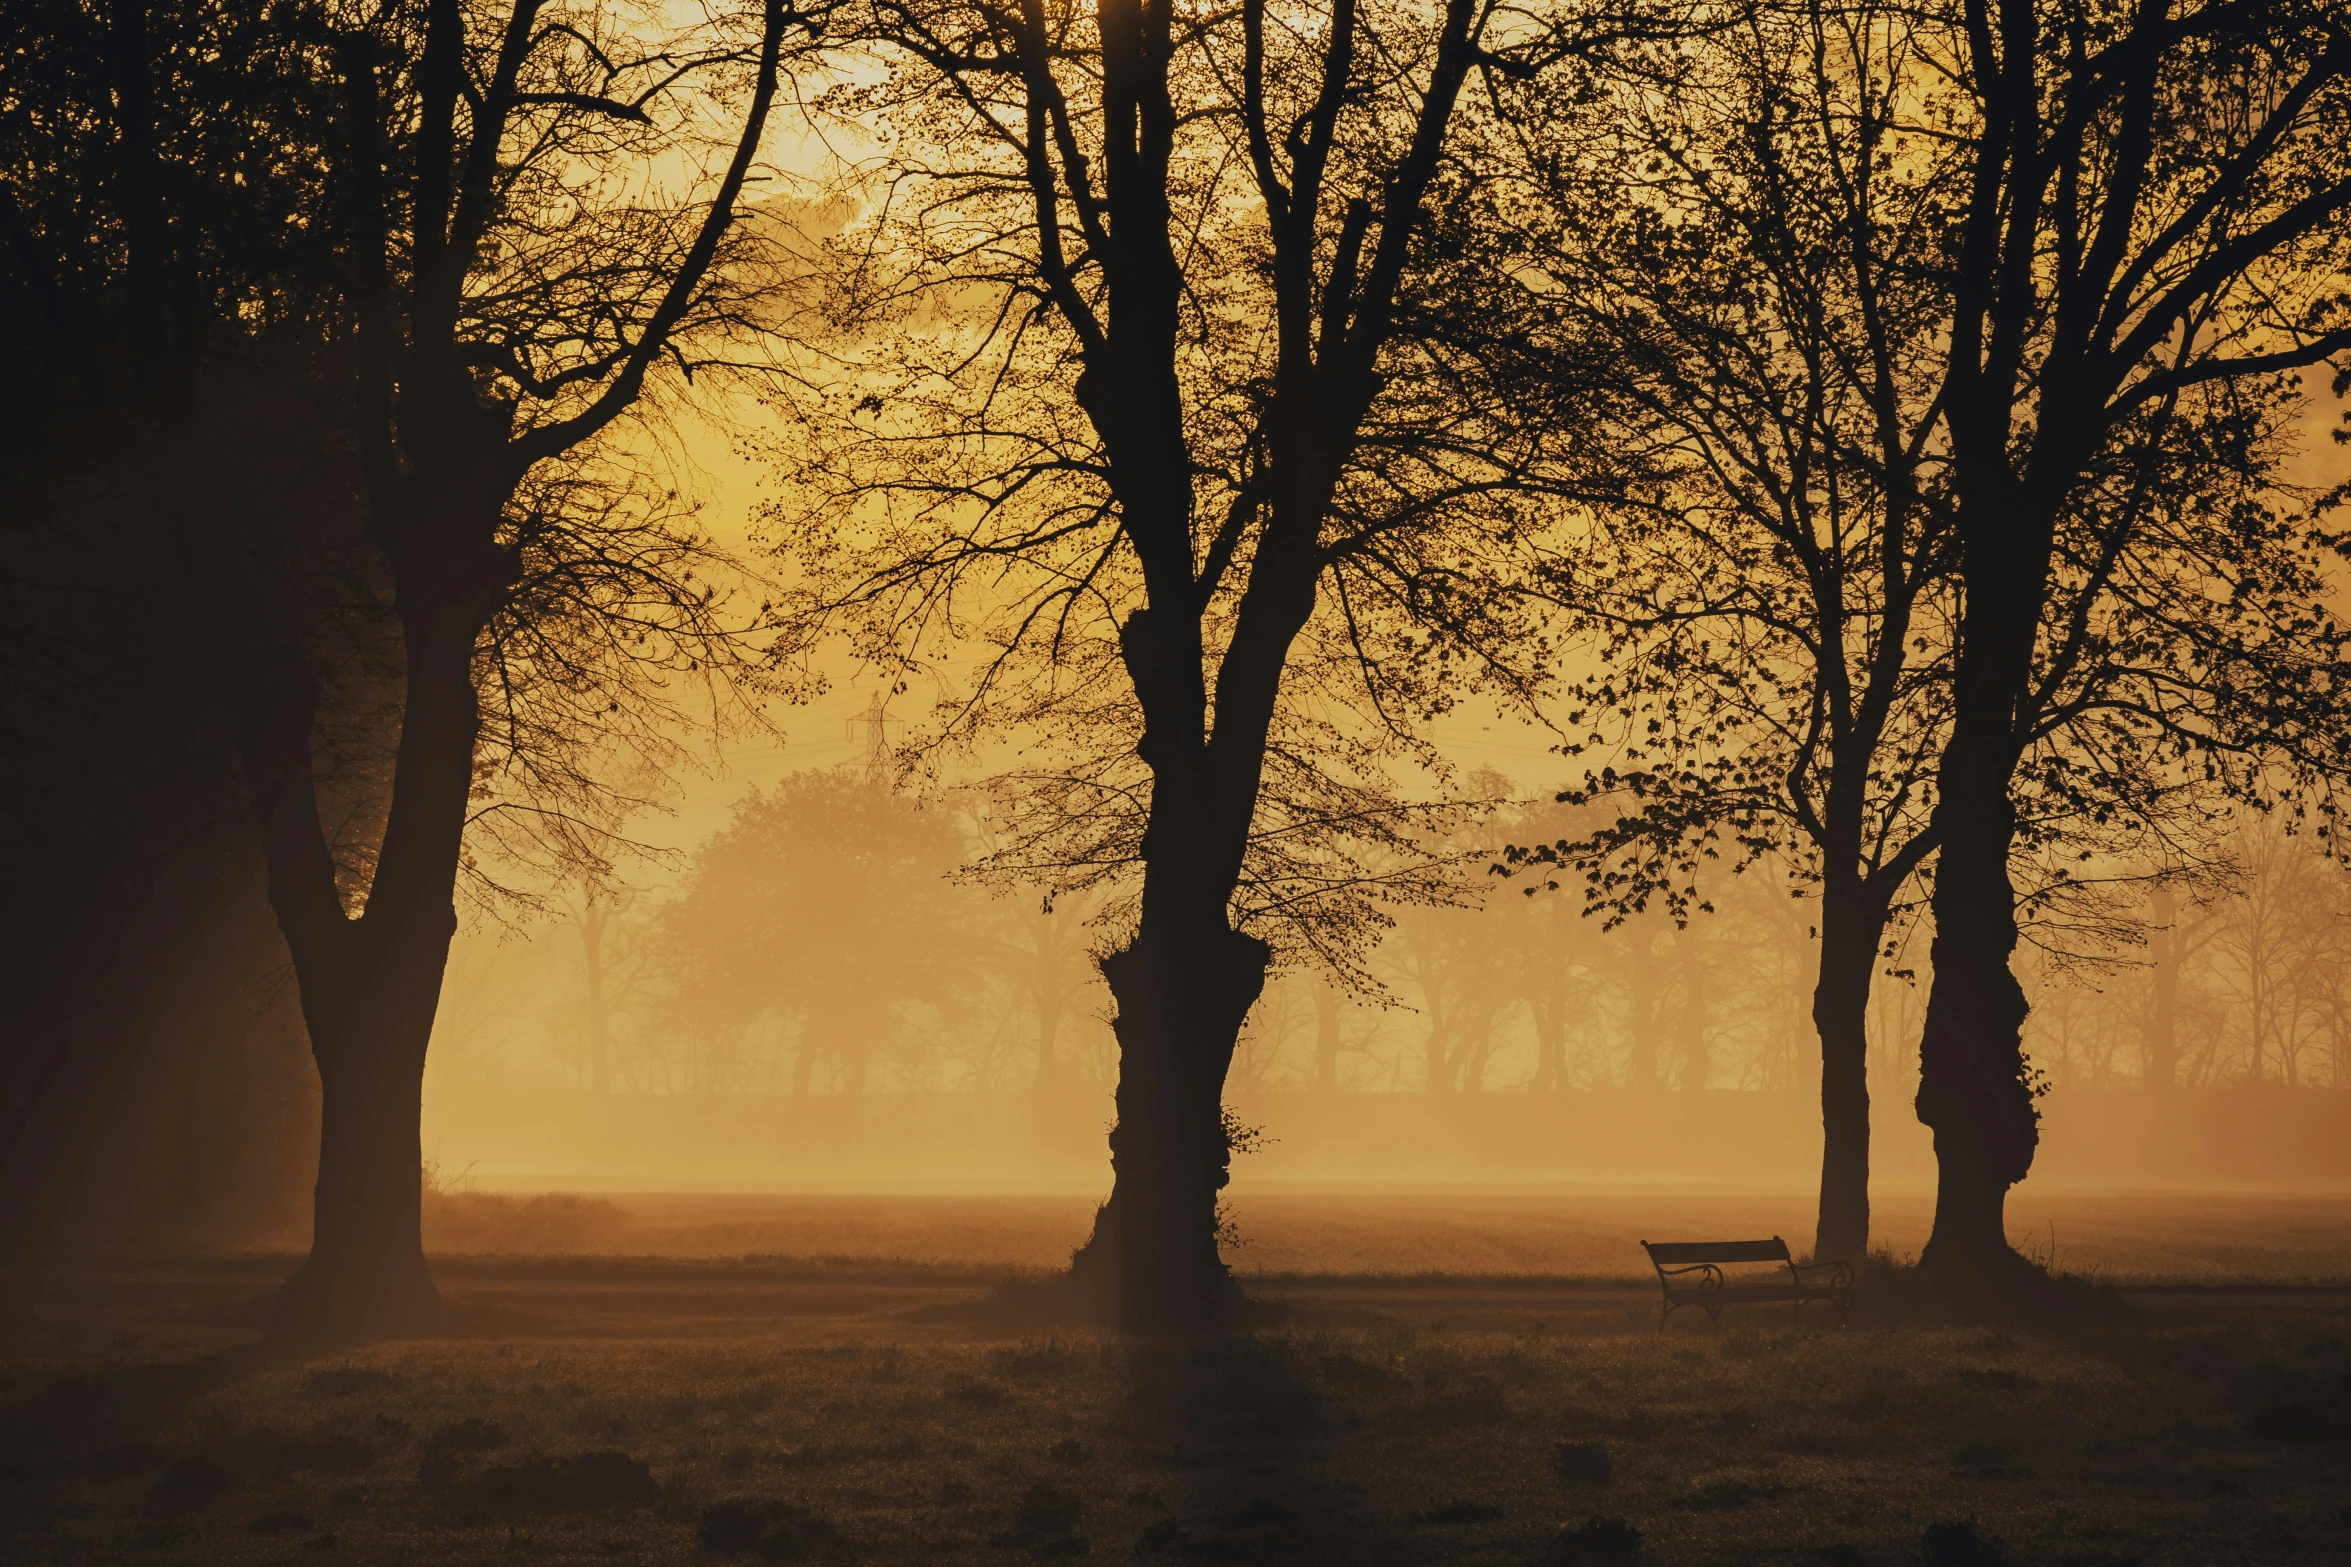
x=1861, y=434
x=925, y=979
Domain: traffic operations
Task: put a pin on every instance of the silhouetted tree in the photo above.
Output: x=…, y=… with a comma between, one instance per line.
x=1158, y=427
x=1771, y=602
x=610, y=966
x=167, y=416
x=2147, y=240
x=511, y=296
x=1777, y=601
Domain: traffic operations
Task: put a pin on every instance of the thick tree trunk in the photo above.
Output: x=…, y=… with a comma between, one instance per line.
x=371, y=985
x=1972, y=1089
x=1840, y=1012
x=366, y=1277
x=1182, y=997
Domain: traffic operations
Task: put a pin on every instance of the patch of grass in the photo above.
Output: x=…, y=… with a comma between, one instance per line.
x=346, y=1381
x=1449, y=1428
x=1597, y=1539
x=1582, y=1463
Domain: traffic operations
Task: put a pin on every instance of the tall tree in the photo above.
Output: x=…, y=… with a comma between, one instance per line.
x=1787, y=603
x=1194, y=451
x=167, y=391
x=1771, y=603
x=513, y=292
x=2149, y=238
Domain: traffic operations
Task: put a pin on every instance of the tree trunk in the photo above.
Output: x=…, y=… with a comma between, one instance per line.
x=1326, y=1038
x=370, y=986
x=1477, y=1044
x=1644, y=1067
x=1438, y=1056
x=591, y=927
x=1182, y=998
x=1840, y=1012
x=2161, y=1071
x=366, y=1277
x=1973, y=1090
x=804, y=1059
x=1049, y=1003
x=1697, y=1061
x=1548, y=1003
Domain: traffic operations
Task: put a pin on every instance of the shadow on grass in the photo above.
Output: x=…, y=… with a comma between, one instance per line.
x=82, y=1419
x=1238, y=1431
x=1891, y=1293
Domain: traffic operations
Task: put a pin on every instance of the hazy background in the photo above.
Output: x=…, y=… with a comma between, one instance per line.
x=1688, y=1055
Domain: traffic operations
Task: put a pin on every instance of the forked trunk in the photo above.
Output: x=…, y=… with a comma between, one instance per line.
x=371, y=985
x=365, y=1277
x=1182, y=998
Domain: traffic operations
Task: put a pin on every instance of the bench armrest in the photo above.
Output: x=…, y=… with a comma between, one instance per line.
x=1840, y=1273
x=1713, y=1277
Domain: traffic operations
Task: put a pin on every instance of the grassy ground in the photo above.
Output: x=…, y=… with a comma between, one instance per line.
x=2132, y=1237
x=650, y=1412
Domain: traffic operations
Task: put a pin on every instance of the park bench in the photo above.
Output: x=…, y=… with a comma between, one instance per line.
x=1691, y=1274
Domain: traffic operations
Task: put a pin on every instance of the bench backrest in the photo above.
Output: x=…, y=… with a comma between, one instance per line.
x=1674, y=1254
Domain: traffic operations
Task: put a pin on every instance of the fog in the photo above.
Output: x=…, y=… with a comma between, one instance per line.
x=928, y=1032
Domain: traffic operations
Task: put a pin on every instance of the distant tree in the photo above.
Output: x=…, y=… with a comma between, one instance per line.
x=1161, y=427
x=1044, y=952
x=2178, y=931
x=2274, y=951
x=611, y=968
x=827, y=903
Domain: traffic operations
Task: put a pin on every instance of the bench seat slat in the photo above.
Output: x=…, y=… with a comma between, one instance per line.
x=1678, y=1253
x=1744, y=1294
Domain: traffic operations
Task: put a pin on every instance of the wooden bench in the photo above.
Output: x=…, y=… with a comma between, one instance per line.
x=1691, y=1274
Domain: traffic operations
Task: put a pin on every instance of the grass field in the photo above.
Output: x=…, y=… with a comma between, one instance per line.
x=605, y=1410
x=2133, y=1237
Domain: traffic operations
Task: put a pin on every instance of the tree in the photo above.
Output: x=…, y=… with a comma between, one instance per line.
x=2148, y=242
x=166, y=416
x=607, y=973
x=1160, y=429
x=1043, y=955
x=512, y=294
x=826, y=902
x=2175, y=937
x=1784, y=601
x=1770, y=600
